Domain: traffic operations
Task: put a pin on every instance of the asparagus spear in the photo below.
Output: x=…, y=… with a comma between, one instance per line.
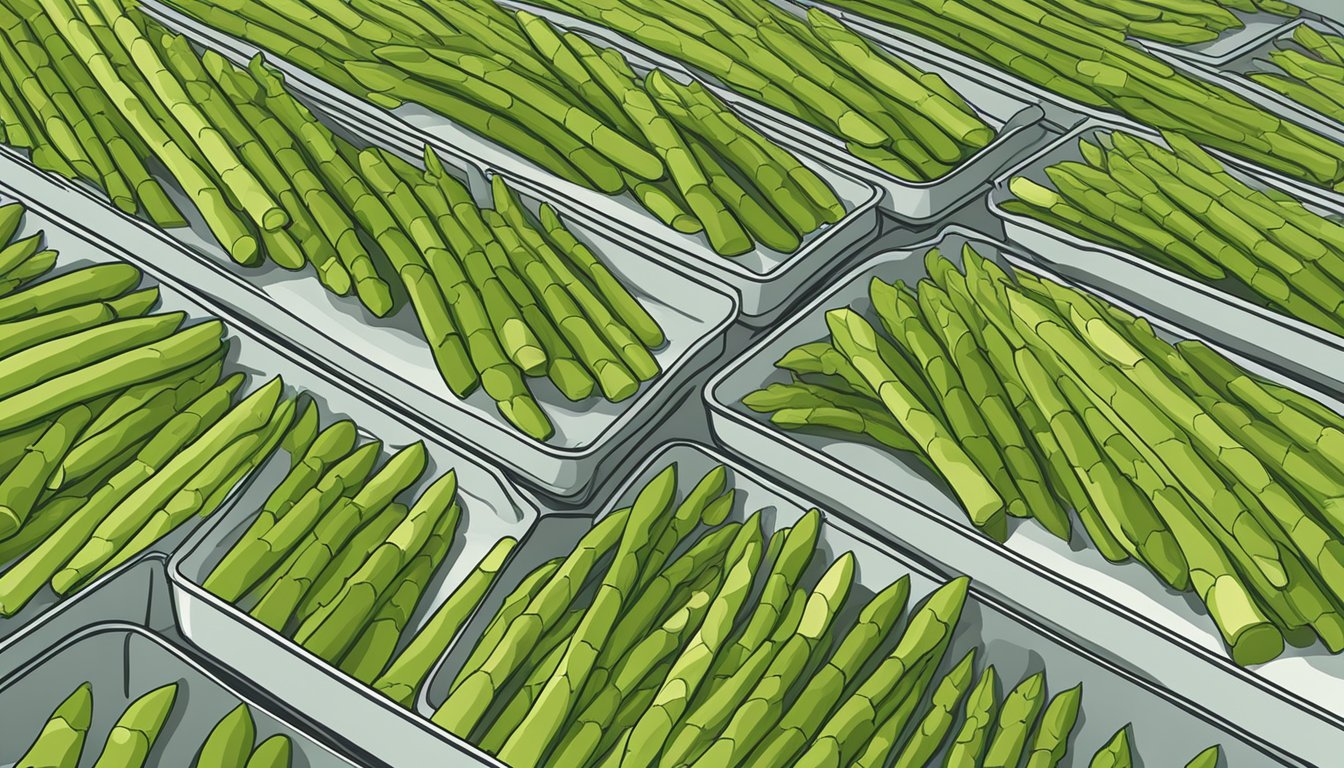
x=11, y=216
x=370, y=654
x=906, y=670
x=76, y=21
x=978, y=719
x=272, y=753
x=1017, y=719
x=351, y=557
x=109, y=437
x=1115, y=754
x=230, y=741
x=61, y=741
x=132, y=738
x=144, y=363
x=20, y=488
x=857, y=339
x=1206, y=759
x=239, y=570
x=475, y=689
x=629, y=666
x=529, y=743
x=100, y=282
x=203, y=494
x=45, y=361
x=932, y=731
x=1052, y=738
x=827, y=599
x=513, y=606
x=402, y=680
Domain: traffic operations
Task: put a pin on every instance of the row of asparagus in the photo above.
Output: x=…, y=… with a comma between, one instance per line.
x=578, y=111
x=117, y=424
x=1096, y=66
x=670, y=637
x=62, y=740
x=1031, y=399
x=1187, y=22
x=499, y=293
x=335, y=563
x=1308, y=69
x=1179, y=207
x=907, y=122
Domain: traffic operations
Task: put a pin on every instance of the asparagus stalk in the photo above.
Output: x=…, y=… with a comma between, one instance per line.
x=274, y=752
x=402, y=680
x=1115, y=753
x=230, y=741
x=132, y=738
x=317, y=548
x=1051, y=741
x=928, y=738
x=61, y=741
x=978, y=718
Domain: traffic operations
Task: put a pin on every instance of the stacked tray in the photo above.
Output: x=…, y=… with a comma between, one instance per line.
x=1164, y=728
x=121, y=638
x=387, y=357
x=764, y=280
x=1121, y=609
x=1228, y=318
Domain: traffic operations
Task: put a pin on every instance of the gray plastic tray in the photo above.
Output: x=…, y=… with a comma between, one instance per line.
x=388, y=357
x=121, y=637
x=764, y=279
x=1019, y=124
x=491, y=509
x=1167, y=637
x=1223, y=316
x=1164, y=729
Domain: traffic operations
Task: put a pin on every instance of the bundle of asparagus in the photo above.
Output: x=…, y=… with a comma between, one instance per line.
x=1030, y=398
x=905, y=121
x=1095, y=66
x=1310, y=72
x=61, y=742
x=1176, y=23
x=576, y=110
x=334, y=562
x=1178, y=207
x=669, y=637
x=116, y=426
x=498, y=293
